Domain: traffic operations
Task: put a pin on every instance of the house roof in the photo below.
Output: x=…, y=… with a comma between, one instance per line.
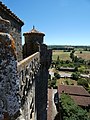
x=81, y=100
x=9, y=12
x=34, y=31
x=77, y=93
x=73, y=90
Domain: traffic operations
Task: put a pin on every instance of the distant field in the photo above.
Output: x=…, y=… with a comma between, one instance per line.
x=66, y=55
x=85, y=54
x=62, y=55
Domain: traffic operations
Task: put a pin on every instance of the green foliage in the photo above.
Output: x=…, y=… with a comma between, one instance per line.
x=57, y=76
x=72, y=56
x=73, y=51
x=67, y=82
x=52, y=83
x=83, y=82
x=81, y=69
x=57, y=61
x=62, y=63
x=70, y=110
x=75, y=75
x=80, y=60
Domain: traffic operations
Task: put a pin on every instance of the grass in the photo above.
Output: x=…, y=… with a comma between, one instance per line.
x=85, y=54
x=66, y=55
x=63, y=81
x=62, y=55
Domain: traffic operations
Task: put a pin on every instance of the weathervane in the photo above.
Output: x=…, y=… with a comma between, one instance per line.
x=33, y=27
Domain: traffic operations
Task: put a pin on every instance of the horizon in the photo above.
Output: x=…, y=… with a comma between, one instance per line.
x=71, y=45
x=64, y=22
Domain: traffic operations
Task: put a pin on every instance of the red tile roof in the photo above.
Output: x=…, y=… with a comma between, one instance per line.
x=77, y=93
x=34, y=31
x=73, y=90
x=81, y=100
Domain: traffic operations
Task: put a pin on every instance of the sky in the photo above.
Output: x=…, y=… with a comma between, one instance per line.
x=64, y=22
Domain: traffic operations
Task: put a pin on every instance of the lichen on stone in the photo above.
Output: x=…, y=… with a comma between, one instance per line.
x=9, y=102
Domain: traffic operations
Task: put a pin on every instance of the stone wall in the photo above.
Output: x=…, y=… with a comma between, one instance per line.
x=9, y=101
x=42, y=84
x=23, y=95
x=28, y=70
x=15, y=29
x=33, y=43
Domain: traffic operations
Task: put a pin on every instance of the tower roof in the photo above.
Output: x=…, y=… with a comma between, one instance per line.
x=34, y=31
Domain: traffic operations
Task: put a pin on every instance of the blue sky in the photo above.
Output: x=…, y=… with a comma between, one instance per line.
x=64, y=22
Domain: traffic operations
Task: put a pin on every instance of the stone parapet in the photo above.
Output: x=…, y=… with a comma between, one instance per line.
x=28, y=70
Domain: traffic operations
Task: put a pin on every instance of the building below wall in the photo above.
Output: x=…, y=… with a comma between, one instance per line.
x=77, y=93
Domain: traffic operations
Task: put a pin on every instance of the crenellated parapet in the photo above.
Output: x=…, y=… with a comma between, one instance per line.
x=28, y=70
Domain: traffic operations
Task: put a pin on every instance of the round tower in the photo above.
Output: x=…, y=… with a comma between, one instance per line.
x=33, y=39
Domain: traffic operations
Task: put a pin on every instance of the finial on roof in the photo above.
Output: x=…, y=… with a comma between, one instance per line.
x=33, y=27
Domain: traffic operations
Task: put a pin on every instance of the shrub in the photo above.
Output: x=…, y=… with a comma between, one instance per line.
x=57, y=76
x=75, y=75
x=83, y=82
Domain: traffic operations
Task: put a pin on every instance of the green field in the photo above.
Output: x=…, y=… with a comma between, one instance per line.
x=66, y=55
x=85, y=54
x=62, y=55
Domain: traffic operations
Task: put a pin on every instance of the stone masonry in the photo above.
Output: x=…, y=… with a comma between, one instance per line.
x=9, y=102
x=28, y=70
x=15, y=29
x=34, y=43
x=23, y=83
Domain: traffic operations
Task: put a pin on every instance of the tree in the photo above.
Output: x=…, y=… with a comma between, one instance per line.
x=70, y=110
x=72, y=56
x=81, y=69
x=57, y=75
x=83, y=82
x=73, y=51
x=68, y=61
x=57, y=62
x=75, y=75
x=76, y=59
x=52, y=83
